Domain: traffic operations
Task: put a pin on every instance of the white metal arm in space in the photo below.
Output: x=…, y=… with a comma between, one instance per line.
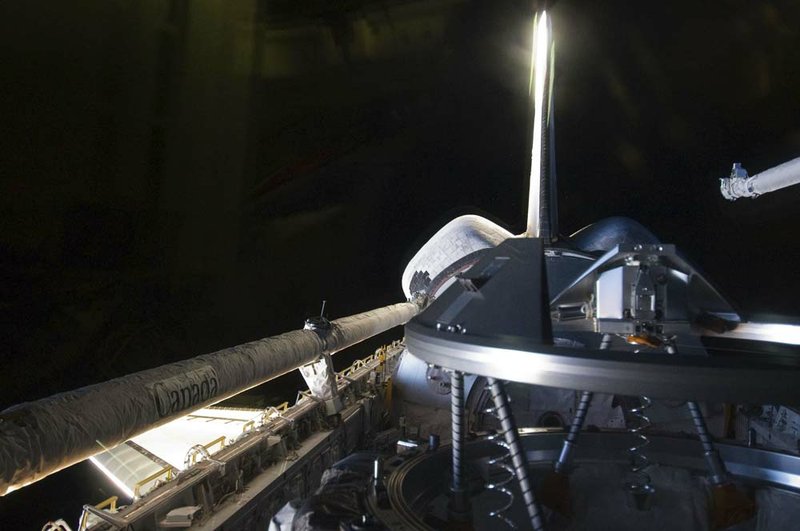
x=739, y=184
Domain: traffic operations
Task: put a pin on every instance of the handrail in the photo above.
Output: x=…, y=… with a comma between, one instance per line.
x=219, y=440
x=275, y=412
x=203, y=449
x=109, y=503
x=152, y=477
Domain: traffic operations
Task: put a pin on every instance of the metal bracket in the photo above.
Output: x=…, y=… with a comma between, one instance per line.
x=321, y=380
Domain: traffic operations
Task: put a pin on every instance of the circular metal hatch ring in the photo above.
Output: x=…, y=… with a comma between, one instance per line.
x=761, y=380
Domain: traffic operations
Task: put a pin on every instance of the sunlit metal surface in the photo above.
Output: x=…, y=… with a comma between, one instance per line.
x=773, y=332
x=142, y=463
x=736, y=377
x=113, y=477
x=539, y=75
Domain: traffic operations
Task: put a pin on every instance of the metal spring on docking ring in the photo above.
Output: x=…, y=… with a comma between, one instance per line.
x=500, y=473
x=640, y=487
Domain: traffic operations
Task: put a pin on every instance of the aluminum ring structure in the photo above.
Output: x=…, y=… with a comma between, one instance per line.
x=762, y=377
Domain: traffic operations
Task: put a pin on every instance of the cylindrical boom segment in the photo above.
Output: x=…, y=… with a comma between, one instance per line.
x=739, y=184
x=42, y=437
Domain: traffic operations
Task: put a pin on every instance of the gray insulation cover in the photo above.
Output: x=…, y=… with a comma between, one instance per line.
x=42, y=437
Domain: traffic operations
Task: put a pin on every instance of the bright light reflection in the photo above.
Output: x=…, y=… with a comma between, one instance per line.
x=773, y=332
x=122, y=486
x=539, y=53
x=779, y=333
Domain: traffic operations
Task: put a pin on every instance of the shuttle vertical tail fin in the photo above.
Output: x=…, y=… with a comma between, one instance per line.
x=542, y=197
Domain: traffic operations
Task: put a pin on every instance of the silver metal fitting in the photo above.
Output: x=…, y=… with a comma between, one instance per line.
x=737, y=185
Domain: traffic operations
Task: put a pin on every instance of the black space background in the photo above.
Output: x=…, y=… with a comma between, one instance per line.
x=160, y=199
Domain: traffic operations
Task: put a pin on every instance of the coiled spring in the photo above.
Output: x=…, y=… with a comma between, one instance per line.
x=511, y=464
x=640, y=485
x=500, y=473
